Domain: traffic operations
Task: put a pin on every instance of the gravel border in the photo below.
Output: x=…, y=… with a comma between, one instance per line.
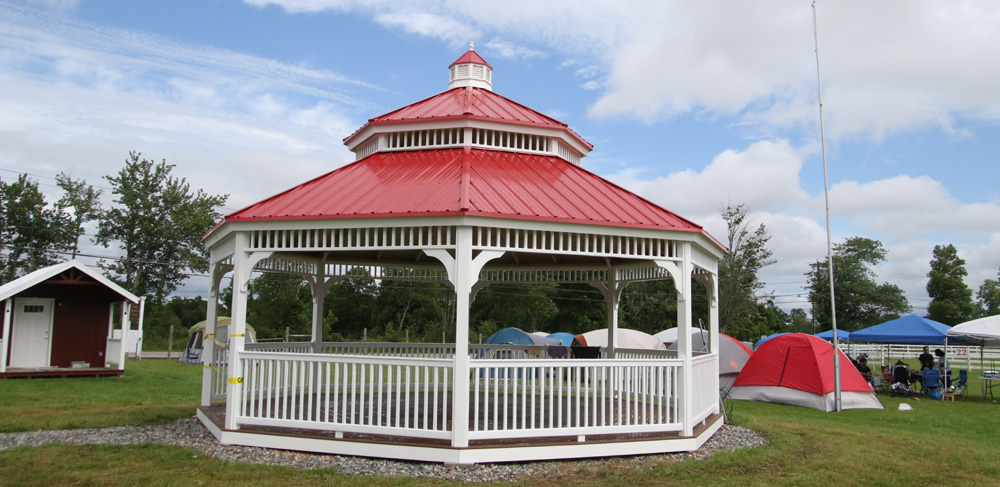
x=190, y=433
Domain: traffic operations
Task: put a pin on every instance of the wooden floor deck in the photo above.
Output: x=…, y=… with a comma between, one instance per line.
x=59, y=372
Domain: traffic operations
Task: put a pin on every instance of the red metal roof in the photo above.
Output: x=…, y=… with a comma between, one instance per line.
x=470, y=57
x=465, y=181
x=473, y=103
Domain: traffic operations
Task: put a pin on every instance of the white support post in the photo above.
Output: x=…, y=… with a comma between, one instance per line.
x=463, y=273
x=683, y=285
x=711, y=283
x=612, y=292
x=242, y=268
x=142, y=320
x=463, y=280
x=124, y=324
x=208, y=345
x=8, y=310
x=319, y=286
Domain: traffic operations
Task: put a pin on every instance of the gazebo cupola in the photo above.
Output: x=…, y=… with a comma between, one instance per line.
x=469, y=114
x=471, y=70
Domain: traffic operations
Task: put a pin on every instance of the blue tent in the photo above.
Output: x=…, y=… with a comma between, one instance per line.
x=565, y=338
x=911, y=329
x=762, y=340
x=511, y=336
x=827, y=335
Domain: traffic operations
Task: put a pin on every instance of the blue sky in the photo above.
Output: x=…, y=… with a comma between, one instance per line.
x=690, y=104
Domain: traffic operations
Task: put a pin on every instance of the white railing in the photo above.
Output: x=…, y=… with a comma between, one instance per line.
x=412, y=350
x=406, y=390
x=705, y=376
x=219, y=366
x=377, y=395
x=521, y=398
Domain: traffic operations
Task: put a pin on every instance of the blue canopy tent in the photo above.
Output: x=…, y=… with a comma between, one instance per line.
x=910, y=329
x=827, y=335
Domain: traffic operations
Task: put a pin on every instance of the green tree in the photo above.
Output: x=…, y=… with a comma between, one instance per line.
x=276, y=301
x=527, y=307
x=158, y=222
x=988, y=297
x=800, y=322
x=738, y=282
x=81, y=202
x=861, y=302
x=951, y=298
x=32, y=233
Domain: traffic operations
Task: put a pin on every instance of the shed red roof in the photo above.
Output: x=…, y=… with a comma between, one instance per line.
x=465, y=181
x=473, y=103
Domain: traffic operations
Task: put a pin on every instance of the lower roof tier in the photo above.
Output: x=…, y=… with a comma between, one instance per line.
x=465, y=181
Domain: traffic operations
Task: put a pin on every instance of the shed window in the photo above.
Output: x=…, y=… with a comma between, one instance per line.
x=34, y=308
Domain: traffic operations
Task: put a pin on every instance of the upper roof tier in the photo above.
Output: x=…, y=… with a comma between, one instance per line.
x=468, y=114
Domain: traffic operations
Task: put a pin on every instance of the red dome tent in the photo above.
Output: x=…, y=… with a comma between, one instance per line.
x=797, y=369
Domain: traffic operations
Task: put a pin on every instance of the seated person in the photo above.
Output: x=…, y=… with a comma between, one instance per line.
x=943, y=366
x=866, y=372
x=926, y=359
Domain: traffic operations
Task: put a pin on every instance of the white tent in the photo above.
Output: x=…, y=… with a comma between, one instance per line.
x=986, y=330
x=625, y=338
x=196, y=337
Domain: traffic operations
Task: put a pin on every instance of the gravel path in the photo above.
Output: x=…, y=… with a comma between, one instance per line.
x=190, y=433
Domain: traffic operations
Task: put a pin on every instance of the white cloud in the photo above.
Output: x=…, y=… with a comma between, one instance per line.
x=887, y=66
x=510, y=50
x=908, y=215
x=430, y=25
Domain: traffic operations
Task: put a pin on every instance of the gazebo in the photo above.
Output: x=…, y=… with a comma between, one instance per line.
x=465, y=188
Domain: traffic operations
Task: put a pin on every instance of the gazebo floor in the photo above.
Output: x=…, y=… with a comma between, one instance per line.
x=436, y=450
x=59, y=372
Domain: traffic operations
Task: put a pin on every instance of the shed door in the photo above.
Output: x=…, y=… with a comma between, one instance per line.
x=31, y=343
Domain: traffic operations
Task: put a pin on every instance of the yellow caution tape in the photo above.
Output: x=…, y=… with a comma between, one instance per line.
x=210, y=367
x=240, y=335
x=235, y=380
x=211, y=336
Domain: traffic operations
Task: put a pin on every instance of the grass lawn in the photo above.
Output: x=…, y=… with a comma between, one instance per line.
x=149, y=392
x=937, y=443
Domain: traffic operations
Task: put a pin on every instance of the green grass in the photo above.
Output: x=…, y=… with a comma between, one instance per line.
x=937, y=443
x=149, y=392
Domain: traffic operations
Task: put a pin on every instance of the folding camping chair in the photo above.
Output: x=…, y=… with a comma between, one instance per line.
x=960, y=387
x=931, y=382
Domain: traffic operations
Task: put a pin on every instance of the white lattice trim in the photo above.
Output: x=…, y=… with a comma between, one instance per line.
x=354, y=238
x=288, y=264
x=575, y=243
x=543, y=274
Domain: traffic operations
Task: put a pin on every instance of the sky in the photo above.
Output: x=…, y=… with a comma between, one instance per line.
x=693, y=105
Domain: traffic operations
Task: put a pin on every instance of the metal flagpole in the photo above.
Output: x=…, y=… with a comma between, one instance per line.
x=829, y=243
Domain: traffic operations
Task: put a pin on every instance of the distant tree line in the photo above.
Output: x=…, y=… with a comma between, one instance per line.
x=156, y=220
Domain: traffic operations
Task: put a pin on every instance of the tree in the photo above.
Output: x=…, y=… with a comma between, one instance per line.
x=861, y=302
x=738, y=282
x=158, y=222
x=988, y=297
x=83, y=201
x=951, y=298
x=32, y=234
x=800, y=322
